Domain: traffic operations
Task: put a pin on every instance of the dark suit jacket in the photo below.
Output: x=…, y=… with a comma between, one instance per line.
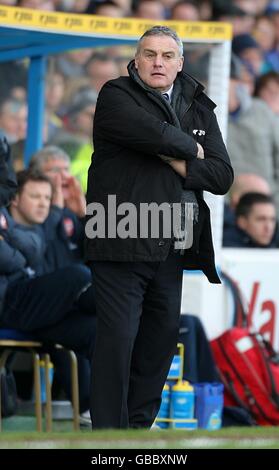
x=132, y=127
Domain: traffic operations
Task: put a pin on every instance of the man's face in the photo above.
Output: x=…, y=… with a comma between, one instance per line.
x=33, y=203
x=100, y=71
x=260, y=223
x=158, y=61
x=270, y=94
x=61, y=167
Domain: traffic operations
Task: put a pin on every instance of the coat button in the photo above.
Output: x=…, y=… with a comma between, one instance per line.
x=161, y=243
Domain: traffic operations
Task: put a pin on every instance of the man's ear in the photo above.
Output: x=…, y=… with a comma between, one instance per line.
x=14, y=201
x=242, y=222
x=180, y=65
x=136, y=62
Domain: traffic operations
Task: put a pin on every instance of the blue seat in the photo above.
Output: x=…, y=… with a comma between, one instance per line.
x=9, y=333
x=12, y=340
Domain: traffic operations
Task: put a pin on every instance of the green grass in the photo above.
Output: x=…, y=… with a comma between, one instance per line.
x=13, y=437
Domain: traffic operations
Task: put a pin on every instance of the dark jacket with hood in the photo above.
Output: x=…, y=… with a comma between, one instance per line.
x=133, y=126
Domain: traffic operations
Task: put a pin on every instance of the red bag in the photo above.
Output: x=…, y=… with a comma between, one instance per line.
x=249, y=369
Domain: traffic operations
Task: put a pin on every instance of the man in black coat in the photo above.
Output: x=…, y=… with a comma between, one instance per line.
x=157, y=152
x=8, y=183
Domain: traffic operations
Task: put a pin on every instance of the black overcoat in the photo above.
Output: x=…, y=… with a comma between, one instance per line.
x=132, y=127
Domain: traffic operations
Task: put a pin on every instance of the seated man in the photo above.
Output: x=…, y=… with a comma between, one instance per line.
x=64, y=233
x=33, y=301
x=65, y=243
x=7, y=176
x=243, y=183
x=255, y=216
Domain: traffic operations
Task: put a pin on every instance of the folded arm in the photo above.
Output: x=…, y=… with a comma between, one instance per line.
x=212, y=170
x=120, y=119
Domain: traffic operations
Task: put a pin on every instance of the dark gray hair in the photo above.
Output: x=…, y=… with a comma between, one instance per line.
x=161, y=31
x=46, y=154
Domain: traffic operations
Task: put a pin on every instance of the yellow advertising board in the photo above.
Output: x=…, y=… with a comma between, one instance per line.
x=93, y=25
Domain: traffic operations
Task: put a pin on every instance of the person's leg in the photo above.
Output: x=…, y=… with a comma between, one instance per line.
x=155, y=343
x=76, y=331
x=119, y=291
x=44, y=300
x=62, y=368
x=199, y=365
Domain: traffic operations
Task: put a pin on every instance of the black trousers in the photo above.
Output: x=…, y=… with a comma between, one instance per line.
x=138, y=308
x=47, y=306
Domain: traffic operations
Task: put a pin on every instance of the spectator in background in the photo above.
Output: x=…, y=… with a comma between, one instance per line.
x=267, y=89
x=32, y=300
x=250, y=53
x=65, y=248
x=253, y=137
x=205, y=10
x=13, y=119
x=76, y=6
x=265, y=35
x=111, y=9
x=241, y=21
x=151, y=9
x=8, y=183
x=53, y=161
x=243, y=183
x=185, y=10
x=247, y=183
x=255, y=7
x=13, y=79
x=72, y=63
x=32, y=292
x=255, y=216
x=273, y=12
x=75, y=137
x=47, y=5
x=54, y=94
x=100, y=68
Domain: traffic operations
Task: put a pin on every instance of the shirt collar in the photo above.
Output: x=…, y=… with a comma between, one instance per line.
x=169, y=92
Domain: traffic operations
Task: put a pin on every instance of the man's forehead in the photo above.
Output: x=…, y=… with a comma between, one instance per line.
x=162, y=43
x=58, y=162
x=31, y=186
x=262, y=207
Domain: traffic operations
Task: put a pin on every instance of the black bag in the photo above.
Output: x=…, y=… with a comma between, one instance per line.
x=8, y=393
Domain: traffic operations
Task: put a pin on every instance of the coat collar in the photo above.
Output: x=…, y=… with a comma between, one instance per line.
x=191, y=88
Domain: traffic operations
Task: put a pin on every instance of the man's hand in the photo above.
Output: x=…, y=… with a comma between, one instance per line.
x=179, y=166
x=75, y=199
x=200, y=153
x=57, y=198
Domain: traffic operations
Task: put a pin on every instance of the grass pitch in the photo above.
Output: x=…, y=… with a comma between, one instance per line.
x=63, y=438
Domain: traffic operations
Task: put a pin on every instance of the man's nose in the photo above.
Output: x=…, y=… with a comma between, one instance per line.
x=158, y=61
x=43, y=202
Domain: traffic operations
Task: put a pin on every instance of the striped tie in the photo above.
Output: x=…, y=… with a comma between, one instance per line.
x=166, y=96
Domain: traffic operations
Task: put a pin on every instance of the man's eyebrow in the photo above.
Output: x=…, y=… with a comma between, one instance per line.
x=155, y=52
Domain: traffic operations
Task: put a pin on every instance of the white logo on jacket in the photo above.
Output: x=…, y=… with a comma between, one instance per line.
x=198, y=132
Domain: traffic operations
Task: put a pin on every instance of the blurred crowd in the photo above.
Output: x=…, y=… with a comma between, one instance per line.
x=74, y=79
x=49, y=203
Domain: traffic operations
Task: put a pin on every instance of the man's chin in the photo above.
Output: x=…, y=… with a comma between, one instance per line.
x=39, y=220
x=158, y=83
